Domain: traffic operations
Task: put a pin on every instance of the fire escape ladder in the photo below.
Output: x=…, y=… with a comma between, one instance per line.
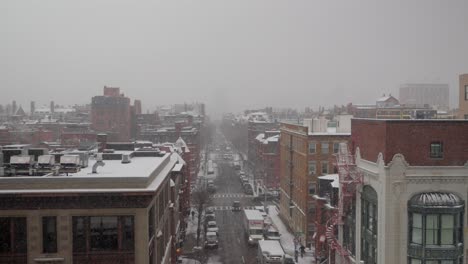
x=349, y=179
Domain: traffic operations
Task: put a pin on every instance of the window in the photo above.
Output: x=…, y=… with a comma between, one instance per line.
x=466, y=92
x=49, y=234
x=432, y=234
x=435, y=228
x=312, y=168
x=369, y=216
x=311, y=188
x=103, y=233
x=324, y=167
x=324, y=147
x=416, y=233
x=436, y=150
x=13, y=235
x=312, y=147
x=336, y=147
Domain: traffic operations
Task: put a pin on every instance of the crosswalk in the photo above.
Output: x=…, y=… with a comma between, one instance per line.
x=228, y=208
x=230, y=195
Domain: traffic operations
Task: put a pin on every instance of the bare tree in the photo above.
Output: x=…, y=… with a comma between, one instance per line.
x=200, y=199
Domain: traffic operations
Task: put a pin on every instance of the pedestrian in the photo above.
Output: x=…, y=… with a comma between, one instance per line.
x=302, y=251
x=193, y=214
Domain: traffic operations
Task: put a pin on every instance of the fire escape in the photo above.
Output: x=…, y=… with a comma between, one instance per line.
x=349, y=179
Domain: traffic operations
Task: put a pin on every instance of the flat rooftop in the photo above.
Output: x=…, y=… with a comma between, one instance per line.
x=142, y=174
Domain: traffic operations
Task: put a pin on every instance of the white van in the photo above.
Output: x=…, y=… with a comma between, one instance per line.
x=270, y=252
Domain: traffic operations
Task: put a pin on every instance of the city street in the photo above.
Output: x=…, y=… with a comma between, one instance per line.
x=233, y=246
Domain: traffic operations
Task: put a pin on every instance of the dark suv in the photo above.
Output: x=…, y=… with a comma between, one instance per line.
x=236, y=206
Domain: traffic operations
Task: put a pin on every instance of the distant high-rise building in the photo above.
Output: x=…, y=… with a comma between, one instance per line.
x=52, y=107
x=14, y=108
x=420, y=94
x=463, y=97
x=137, y=105
x=111, y=113
x=33, y=107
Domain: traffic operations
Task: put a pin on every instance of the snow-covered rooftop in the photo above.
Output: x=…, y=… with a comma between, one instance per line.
x=253, y=215
x=140, y=175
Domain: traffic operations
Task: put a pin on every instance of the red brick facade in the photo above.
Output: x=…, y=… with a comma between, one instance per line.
x=111, y=114
x=413, y=138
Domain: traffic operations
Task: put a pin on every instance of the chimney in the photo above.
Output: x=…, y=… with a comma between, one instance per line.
x=102, y=141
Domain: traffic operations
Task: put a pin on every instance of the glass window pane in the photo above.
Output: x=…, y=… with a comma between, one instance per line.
x=432, y=262
x=20, y=242
x=5, y=234
x=128, y=233
x=324, y=147
x=447, y=262
x=432, y=221
x=312, y=147
x=415, y=261
x=417, y=220
x=79, y=234
x=103, y=233
x=447, y=232
x=432, y=225
x=447, y=221
x=49, y=234
x=416, y=235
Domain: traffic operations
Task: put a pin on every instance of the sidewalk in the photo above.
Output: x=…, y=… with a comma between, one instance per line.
x=287, y=239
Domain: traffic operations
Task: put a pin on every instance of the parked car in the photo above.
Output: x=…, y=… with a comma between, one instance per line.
x=212, y=227
x=211, y=240
x=210, y=217
x=236, y=206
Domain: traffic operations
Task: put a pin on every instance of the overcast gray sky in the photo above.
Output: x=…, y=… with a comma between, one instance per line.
x=229, y=54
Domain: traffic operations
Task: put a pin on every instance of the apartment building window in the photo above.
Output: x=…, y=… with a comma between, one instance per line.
x=312, y=167
x=349, y=229
x=336, y=147
x=324, y=167
x=312, y=147
x=369, y=218
x=13, y=235
x=466, y=92
x=49, y=234
x=436, y=150
x=312, y=188
x=103, y=233
x=324, y=147
x=435, y=224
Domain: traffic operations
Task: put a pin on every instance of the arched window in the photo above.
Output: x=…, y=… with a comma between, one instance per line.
x=369, y=219
x=435, y=228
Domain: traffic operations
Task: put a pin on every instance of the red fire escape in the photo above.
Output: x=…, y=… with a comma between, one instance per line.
x=349, y=179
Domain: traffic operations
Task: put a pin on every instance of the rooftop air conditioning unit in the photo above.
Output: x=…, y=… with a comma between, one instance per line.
x=70, y=163
x=46, y=160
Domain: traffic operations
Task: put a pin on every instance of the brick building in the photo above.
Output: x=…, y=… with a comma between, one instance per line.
x=306, y=152
x=463, y=97
x=125, y=209
x=111, y=113
x=256, y=126
x=410, y=206
x=268, y=159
